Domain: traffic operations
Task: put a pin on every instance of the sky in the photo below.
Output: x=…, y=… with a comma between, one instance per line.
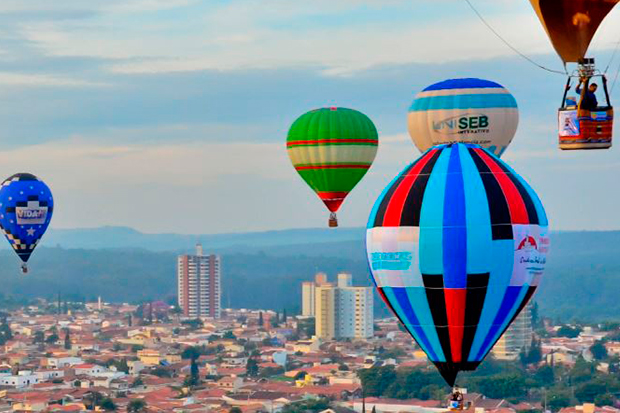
x=172, y=115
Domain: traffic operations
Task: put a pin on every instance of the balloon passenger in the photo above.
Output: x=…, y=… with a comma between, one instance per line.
x=456, y=400
x=589, y=100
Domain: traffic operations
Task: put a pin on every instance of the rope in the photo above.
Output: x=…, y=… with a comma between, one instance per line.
x=483, y=20
x=615, y=78
x=612, y=56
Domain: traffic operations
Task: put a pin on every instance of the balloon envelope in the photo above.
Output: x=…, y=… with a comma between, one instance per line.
x=332, y=149
x=26, y=208
x=464, y=110
x=456, y=245
x=571, y=24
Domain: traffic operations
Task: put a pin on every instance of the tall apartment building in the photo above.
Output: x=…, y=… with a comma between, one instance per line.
x=341, y=311
x=516, y=338
x=199, y=289
x=307, y=298
x=308, y=293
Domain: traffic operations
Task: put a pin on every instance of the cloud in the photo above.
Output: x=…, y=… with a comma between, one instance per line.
x=37, y=80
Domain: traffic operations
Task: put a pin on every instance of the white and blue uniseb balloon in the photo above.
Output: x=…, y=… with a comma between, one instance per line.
x=464, y=110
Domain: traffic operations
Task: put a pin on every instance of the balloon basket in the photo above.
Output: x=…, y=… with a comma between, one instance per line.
x=333, y=221
x=24, y=268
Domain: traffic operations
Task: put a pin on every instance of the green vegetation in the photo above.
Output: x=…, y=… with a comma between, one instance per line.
x=251, y=368
x=5, y=332
x=108, y=405
x=271, y=279
x=598, y=350
x=136, y=405
x=306, y=327
x=500, y=380
x=311, y=405
x=568, y=331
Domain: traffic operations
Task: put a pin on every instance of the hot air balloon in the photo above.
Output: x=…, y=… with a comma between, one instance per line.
x=26, y=208
x=464, y=110
x=457, y=245
x=571, y=25
x=332, y=149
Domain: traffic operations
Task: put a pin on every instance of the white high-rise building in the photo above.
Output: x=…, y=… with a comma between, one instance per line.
x=198, y=279
x=345, y=280
x=307, y=298
x=354, y=312
x=517, y=337
x=341, y=311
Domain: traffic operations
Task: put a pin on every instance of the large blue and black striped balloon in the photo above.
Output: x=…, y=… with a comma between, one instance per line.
x=457, y=244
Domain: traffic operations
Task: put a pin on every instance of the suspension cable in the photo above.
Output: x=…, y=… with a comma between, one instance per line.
x=613, y=84
x=514, y=49
x=613, y=55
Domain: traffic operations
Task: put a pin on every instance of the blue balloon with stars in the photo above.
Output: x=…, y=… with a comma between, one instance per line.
x=26, y=208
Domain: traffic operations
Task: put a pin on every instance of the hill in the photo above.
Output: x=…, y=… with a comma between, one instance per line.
x=123, y=237
x=581, y=281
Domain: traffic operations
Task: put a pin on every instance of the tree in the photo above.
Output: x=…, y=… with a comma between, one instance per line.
x=193, y=324
x=311, y=405
x=137, y=382
x=544, y=375
x=568, y=331
x=533, y=355
x=501, y=386
x=582, y=371
x=598, y=350
x=194, y=373
x=376, y=380
x=136, y=405
x=149, y=316
x=5, y=332
x=38, y=337
x=306, y=327
x=557, y=399
x=94, y=398
x=251, y=368
x=121, y=365
x=235, y=410
x=52, y=338
x=260, y=319
x=229, y=335
x=300, y=375
x=162, y=372
x=67, y=340
x=587, y=392
x=535, y=315
x=604, y=400
x=107, y=404
x=191, y=353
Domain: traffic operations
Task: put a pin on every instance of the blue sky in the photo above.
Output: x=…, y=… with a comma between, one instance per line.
x=171, y=115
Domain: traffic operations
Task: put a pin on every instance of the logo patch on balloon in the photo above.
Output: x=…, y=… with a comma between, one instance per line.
x=31, y=215
x=469, y=123
x=391, y=261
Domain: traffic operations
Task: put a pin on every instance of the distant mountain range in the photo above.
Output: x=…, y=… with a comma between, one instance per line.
x=124, y=237
x=582, y=281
